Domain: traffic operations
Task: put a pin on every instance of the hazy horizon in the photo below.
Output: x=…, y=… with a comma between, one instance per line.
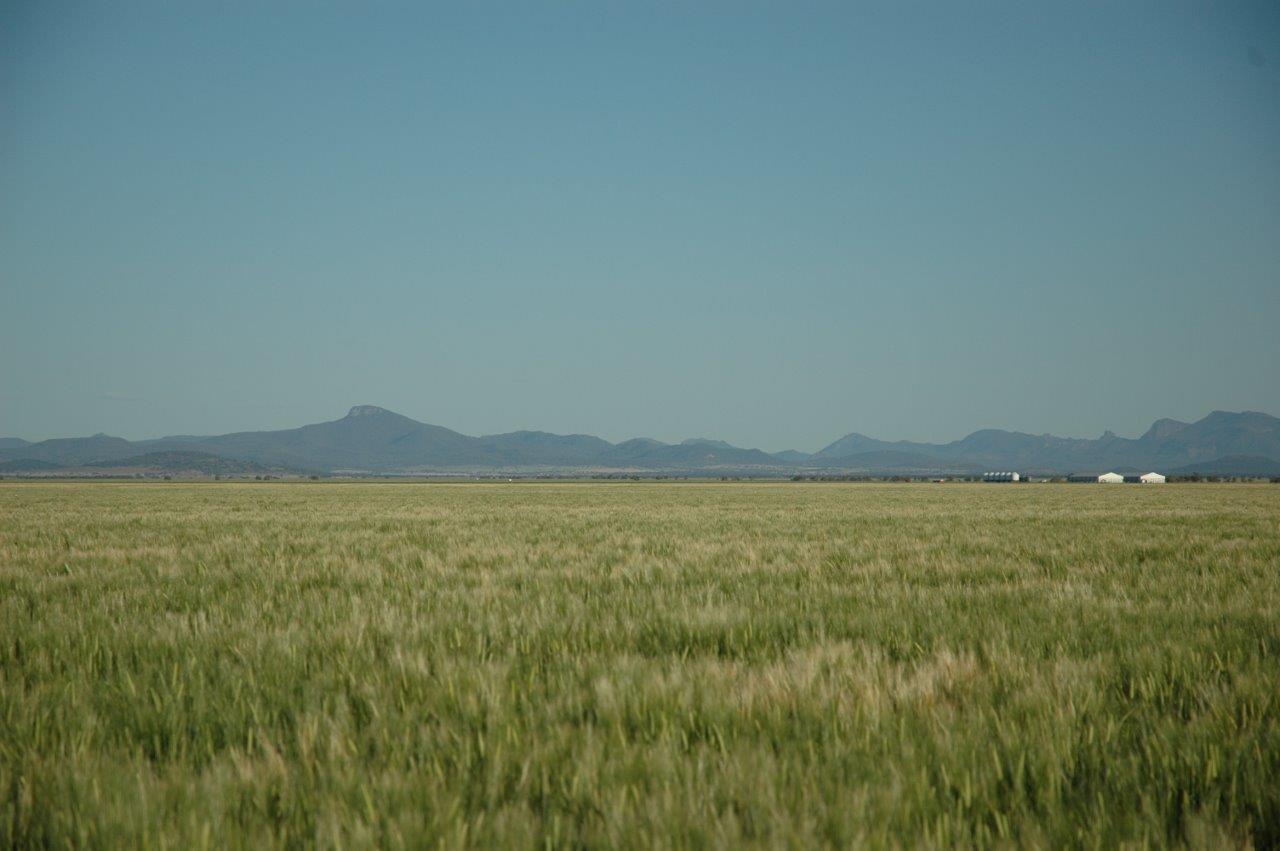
x=771, y=226
x=617, y=438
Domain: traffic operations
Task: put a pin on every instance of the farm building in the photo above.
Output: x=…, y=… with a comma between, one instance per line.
x=1107, y=478
x=1001, y=477
x=1151, y=479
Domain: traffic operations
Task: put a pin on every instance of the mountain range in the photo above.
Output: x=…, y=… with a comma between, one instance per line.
x=1167, y=444
x=370, y=439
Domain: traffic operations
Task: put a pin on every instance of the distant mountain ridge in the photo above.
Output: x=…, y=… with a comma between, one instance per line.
x=375, y=440
x=1168, y=443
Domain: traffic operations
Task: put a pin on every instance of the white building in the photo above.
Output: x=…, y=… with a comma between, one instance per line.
x=1001, y=477
x=1151, y=479
x=1111, y=479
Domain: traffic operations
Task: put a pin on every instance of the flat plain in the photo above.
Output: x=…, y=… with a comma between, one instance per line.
x=347, y=665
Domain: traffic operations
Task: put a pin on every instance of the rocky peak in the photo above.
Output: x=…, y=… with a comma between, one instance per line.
x=366, y=411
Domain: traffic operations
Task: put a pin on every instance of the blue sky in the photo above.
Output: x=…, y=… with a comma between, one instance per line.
x=768, y=223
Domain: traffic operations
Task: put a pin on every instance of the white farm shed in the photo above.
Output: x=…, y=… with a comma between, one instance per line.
x=1151, y=479
x=1111, y=479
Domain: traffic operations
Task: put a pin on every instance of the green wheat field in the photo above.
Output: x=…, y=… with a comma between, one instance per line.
x=638, y=665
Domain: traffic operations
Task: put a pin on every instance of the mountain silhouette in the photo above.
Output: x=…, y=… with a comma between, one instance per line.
x=371, y=439
x=1168, y=443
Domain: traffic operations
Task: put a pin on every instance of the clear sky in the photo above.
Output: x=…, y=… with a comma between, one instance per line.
x=768, y=223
